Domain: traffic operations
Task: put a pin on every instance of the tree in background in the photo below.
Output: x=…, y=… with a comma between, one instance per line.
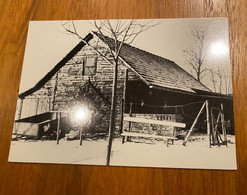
x=198, y=58
x=195, y=55
x=221, y=81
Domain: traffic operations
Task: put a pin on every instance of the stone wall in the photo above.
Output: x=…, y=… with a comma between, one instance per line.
x=60, y=91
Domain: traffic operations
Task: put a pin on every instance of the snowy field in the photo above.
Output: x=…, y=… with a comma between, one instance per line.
x=144, y=153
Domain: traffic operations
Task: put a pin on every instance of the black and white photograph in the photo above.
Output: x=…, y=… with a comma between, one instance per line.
x=140, y=93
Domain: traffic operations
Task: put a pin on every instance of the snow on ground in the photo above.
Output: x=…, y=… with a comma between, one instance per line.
x=144, y=153
x=66, y=152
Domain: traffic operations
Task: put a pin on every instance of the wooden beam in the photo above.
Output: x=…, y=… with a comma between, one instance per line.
x=58, y=126
x=44, y=122
x=193, y=125
x=157, y=122
x=216, y=133
x=80, y=132
x=208, y=122
x=37, y=107
x=133, y=134
x=54, y=91
x=20, y=108
x=212, y=130
x=130, y=115
x=123, y=99
x=223, y=124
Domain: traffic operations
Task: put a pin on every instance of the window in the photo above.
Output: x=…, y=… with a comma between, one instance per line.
x=89, y=65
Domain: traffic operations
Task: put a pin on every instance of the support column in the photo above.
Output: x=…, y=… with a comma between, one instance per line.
x=223, y=124
x=130, y=114
x=58, y=126
x=37, y=107
x=123, y=100
x=208, y=122
x=54, y=92
x=80, y=133
x=20, y=109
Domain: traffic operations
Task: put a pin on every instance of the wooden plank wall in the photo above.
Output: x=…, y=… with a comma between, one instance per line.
x=25, y=179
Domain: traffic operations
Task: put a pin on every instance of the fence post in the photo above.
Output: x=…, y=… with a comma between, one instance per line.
x=58, y=126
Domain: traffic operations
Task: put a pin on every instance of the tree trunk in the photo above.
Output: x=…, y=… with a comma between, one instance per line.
x=112, y=114
x=198, y=76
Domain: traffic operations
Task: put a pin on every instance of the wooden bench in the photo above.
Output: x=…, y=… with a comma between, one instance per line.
x=131, y=119
x=152, y=121
x=134, y=134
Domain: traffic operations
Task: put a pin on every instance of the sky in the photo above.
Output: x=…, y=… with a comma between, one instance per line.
x=47, y=43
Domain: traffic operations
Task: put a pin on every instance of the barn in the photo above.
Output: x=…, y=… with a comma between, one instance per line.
x=148, y=86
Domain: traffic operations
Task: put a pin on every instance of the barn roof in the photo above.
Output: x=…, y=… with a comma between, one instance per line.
x=155, y=70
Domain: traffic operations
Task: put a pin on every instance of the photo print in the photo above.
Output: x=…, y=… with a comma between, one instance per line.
x=143, y=93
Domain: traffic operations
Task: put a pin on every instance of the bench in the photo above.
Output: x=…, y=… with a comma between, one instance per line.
x=131, y=119
x=152, y=121
x=134, y=134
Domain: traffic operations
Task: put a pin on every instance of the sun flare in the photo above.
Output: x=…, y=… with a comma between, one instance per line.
x=219, y=48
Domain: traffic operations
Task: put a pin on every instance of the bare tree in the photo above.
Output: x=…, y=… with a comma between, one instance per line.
x=227, y=80
x=221, y=80
x=120, y=31
x=213, y=79
x=195, y=56
x=219, y=73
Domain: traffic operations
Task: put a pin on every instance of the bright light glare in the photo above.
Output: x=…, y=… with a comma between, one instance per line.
x=80, y=114
x=219, y=48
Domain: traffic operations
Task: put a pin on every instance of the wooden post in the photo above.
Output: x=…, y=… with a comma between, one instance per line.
x=212, y=130
x=20, y=109
x=81, y=127
x=123, y=138
x=79, y=132
x=54, y=92
x=37, y=107
x=130, y=114
x=58, y=126
x=208, y=122
x=193, y=125
x=122, y=115
x=217, y=135
x=123, y=99
x=223, y=124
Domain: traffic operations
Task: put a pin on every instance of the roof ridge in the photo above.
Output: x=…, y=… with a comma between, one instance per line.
x=134, y=47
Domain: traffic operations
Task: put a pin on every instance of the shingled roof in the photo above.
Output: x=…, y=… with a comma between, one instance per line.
x=155, y=70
